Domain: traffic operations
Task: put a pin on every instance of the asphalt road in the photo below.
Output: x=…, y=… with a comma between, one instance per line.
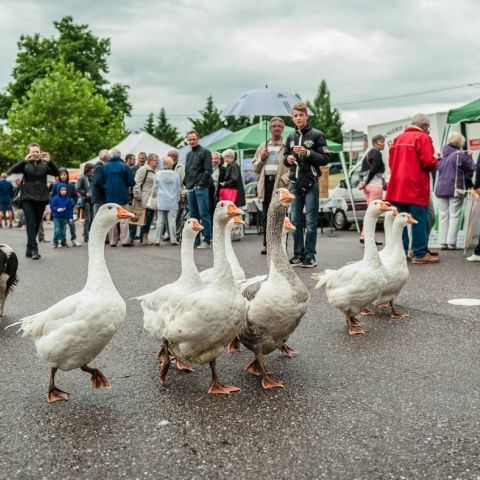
x=401, y=402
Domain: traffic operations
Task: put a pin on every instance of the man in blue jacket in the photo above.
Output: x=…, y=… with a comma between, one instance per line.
x=117, y=178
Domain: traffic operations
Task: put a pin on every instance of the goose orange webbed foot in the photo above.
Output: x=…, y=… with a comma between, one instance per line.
x=254, y=368
x=216, y=387
x=366, y=312
x=396, y=315
x=57, y=395
x=354, y=326
x=287, y=351
x=268, y=383
x=234, y=346
x=99, y=380
x=183, y=367
x=54, y=393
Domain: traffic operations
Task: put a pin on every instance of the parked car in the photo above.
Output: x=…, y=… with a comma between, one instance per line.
x=343, y=219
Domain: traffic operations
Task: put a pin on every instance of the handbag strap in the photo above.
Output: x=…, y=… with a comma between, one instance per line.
x=144, y=179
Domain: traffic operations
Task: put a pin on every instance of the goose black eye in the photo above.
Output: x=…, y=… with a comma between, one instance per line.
x=110, y=207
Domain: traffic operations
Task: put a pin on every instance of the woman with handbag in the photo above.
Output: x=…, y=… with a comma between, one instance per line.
x=231, y=185
x=34, y=194
x=374, y=184
x=450, y=188
x=144, y=179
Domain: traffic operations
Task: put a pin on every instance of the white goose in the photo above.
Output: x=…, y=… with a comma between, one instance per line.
x=203, y=323
x=275, y=306
x=356, y=285
x=157, y=305
x=388, y=219
x=71, y=333
x=395, y=264
x=207, y=275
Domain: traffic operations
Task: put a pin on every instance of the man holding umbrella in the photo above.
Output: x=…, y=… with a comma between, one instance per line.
x=272, y=173
x=305, y=151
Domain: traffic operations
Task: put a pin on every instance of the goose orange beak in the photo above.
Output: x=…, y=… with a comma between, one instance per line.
x=288, y=226
x=238, y=221
x=286, y=197
x=385, y=207
x=122, y=213
x=233, y=210
x=196, y=226
x=411, y=220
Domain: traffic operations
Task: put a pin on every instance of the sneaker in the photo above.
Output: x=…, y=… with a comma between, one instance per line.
x=64, y=245
x=453, y=247
x=76, y=243
x=427, y=258
x=35, y=256
x=263, y=251
x=296, y=261
x=309, y=262
x=443, y=246
x=203, y=245
x=55, y=245
x=473, y=258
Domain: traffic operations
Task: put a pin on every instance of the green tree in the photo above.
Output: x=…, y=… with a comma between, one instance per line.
x=323, y=117
x=210, y=120
x=165, y=131
x=65, y=114
x=237, y=123
x=76, y=45
x=149, y=126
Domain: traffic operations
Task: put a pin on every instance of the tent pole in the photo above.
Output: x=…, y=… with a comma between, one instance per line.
x=349, y=188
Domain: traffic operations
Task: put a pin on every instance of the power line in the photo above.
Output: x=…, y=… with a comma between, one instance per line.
x=355, y=102
x=413, y=94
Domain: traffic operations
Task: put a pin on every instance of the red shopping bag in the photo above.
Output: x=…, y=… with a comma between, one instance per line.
x=228, y=194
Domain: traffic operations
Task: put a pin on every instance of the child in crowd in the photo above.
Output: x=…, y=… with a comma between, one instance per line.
x=61, y=206
x=167, y=190
x=64, y=179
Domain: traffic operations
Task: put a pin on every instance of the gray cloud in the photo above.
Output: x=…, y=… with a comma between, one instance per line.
x=175, y=53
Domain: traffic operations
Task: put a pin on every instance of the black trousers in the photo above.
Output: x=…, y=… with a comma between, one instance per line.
x=87, y=219
x=477, y=248
x=267, y=198
x=33, y=212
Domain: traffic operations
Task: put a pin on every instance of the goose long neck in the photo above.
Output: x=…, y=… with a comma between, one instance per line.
x=189, y=267
x=221, y=266
x=397, y=248
x=98, y=274
x=237, y=270
x=387, y=228
x=370, y=254
x=276, y=253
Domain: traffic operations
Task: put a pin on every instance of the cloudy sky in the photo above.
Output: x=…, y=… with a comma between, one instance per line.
x=174, y=53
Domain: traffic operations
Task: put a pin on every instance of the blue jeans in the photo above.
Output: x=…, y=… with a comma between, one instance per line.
x=420, y=230
x=59, y=230
x=199, y=207
x=304, y=245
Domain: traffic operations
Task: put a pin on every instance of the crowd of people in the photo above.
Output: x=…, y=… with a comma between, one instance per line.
x=414, y=167
x=164, y=190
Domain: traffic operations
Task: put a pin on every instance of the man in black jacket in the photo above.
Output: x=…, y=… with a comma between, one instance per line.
x=98, y=189
x=305, y=151
x=198, y=170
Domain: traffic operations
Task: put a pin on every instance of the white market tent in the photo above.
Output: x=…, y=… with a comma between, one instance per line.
x=136, y=143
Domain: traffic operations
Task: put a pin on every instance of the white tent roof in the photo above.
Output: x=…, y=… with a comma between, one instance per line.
x=139, y=142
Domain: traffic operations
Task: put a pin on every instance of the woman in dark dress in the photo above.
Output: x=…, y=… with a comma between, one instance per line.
x=232, y=179
x=34, y=192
